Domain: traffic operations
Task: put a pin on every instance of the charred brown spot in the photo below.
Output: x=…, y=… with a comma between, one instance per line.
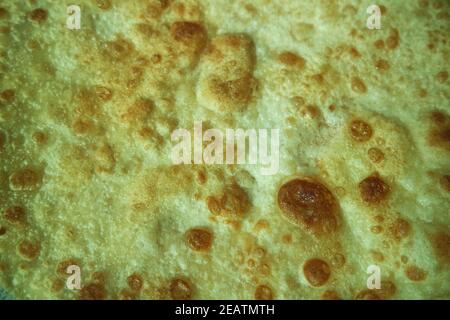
x=415, y=273
x=57, y=285
x=440, y=137
x=309, y=203
x=188, y=32
x=7, y=95
x=400, y=229
x=237, y=41
x=443, y=135
x=15, y=214
x=379, y=44
x=93, y=291
x=442, y=76
x=180, y=290
x=99, y=277
x=387, y=289
x=82, y=126
x=377, y=255
x=354, y=52
x=338, y=260
x=441, y=246
x=38, y=15
x=39, y=137
x=202, y=176
x=139, y=111
x=318, y=78
x=368, y=295
x=291, y=59
x=147, y=30
x=135, y=282
x=310, y=110
x=233, y=202
x=2, y=140
x=29, y=250
x=358, y=85
x=393, y=40
x=286, y=238
x=360, y=130
x=374, y=190
x=375, y=155
x=120, y=49
x=3, y=13
x=126, y=294
x=379, y=218
x=2, y=231
x=199, y=239
x=317, y=272
x=330, y=295
x=438, y=118
x=103, y=4
x=25, y=179
x=156, y=58
x=382, y=65
x=422, y=93
x=62, y=268
x=156, y=8
x=237, y=90
x=263, y=292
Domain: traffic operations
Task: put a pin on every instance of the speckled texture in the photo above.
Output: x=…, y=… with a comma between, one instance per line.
x=91, y=117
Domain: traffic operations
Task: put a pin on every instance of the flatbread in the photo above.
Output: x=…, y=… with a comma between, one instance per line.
x=86, y=177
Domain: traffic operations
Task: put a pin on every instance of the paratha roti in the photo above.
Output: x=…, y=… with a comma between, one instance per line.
x=86, y=178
